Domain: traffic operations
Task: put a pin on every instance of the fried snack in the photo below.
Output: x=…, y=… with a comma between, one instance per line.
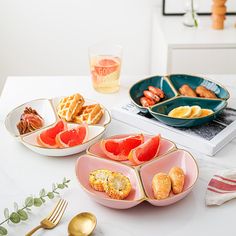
x=204, y=92
x=161, y=186
x=98, y=179
x=118, y=186
x=70, y=106
x=177, y=179
x=151, y=95
x=186, y=90
x=156, y=91
x=30, y=120
x=91, y=114
x=146, y=102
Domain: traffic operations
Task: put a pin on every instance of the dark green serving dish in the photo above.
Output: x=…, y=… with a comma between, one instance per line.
x=170, y=85
x=160, y=111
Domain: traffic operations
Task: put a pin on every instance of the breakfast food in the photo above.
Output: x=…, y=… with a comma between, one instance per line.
x=90, y=114
x=72, y=137
x=186, y=90
x=98, y=179
x=204, y=92
x=70, y=106
x=161, y=185
x=119, y=148
x=30, y=120
x=177, y=179
x=151, y=96
x=187, y=112
x=200, y=91
x=118, y=186
x=59, y=136
x=114, y=184
x=146, y=151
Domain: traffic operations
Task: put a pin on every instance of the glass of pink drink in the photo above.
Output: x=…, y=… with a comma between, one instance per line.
x=105, y=64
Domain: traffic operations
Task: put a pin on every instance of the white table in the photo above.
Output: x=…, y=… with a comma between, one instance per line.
x=23, y=173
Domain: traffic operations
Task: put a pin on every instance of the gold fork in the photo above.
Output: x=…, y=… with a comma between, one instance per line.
x=53, y=218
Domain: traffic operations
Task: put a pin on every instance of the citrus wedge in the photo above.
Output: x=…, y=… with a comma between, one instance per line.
x=72, y=137
x=118, y=149
x=195, y=111
x=146, y=151
x=206, y=112
x=47, y=138
x=180, y=112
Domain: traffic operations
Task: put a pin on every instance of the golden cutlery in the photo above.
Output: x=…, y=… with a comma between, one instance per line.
x=82, y=224
x=53, y=218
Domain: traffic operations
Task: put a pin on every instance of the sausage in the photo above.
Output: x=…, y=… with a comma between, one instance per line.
x=146, y=102
x=151, y=95
x=156, y=91
x=186, y=90
x=204, y=92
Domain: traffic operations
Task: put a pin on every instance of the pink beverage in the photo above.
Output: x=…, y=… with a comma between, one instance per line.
x=105, y=65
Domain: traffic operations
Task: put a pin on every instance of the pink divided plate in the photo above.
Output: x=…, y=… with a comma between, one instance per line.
x=140, y=178
x=165, y=147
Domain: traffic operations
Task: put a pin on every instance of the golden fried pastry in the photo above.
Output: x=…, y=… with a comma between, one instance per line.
x=118, y=186
x=69, y=106
x=161, y=185
x=98, y=179
x=91, y=114
x=186, y=90
x=204, y=92
x=177, y=179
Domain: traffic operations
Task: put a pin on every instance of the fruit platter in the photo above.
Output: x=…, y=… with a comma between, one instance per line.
x=59, y=126
x=179, y=100
x=124, y=170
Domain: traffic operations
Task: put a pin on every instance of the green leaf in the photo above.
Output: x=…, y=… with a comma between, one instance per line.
x=50, y=195
x=14, y=218
x=15, y=206
x=42, y=193
x=61, y=186
x=23, y=215
x=37, y=202
x=29, y=201
x=43, y=200
x=3, y=231
x=6, y=213
x=66, y=185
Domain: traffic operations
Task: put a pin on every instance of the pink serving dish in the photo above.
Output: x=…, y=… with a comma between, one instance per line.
x=140, y=178
x=165, y=147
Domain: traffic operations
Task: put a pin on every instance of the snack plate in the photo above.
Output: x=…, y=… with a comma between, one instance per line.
x=170, y=85
x=140, y=178
x=47, y=109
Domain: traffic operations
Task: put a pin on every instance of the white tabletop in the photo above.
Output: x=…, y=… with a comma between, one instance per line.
x=23, y=173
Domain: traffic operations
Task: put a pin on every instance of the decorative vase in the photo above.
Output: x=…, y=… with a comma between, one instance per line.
x=218, y=14
x=191, y=17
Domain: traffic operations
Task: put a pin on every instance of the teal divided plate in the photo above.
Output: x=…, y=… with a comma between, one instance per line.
x=160, y=111
x=170, y=85
x=136, y=91
x=194, y=81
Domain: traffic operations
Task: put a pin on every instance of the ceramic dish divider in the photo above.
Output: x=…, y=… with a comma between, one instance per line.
x=13, y=118
x=170, y=200
x=168, y=78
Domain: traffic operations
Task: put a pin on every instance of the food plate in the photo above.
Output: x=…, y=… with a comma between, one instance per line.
x=165, y=147
x=140, y=178
x=171, y=85
x=46, y=108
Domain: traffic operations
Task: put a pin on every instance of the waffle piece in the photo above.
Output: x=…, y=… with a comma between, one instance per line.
x=90, y=114
x=70, y=106
x=98, y=179
x=118, y=186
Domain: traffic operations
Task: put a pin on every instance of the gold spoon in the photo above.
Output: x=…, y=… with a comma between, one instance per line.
x=82, y=224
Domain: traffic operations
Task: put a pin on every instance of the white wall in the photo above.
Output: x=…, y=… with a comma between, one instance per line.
x=51, y=37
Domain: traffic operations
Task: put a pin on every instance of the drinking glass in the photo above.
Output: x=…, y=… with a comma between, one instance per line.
x=105, y=65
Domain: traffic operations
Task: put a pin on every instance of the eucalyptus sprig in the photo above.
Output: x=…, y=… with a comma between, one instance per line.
x=21, y=214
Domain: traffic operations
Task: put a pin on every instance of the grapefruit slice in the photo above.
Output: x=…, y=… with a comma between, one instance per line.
x=146, y=151
x=72, y=137
x=119, y=148
x=47, y=138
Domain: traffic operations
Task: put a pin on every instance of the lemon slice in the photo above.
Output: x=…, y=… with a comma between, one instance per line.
x=180, y=112
x=206, y=112
x=195, y=111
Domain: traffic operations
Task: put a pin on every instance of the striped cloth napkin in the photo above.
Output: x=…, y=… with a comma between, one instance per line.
x=221, y=188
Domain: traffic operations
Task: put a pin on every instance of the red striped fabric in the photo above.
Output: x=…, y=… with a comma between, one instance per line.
x=216, y=191
x=223, y=178
x=222, y=185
